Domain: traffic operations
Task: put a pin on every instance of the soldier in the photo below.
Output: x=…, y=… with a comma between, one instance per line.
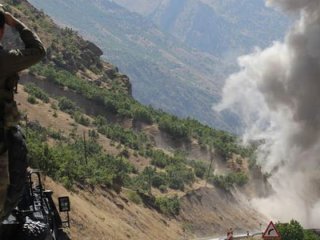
x=13, y=160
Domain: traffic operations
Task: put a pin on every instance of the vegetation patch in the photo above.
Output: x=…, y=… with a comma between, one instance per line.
x=118, y=102
x=168, y=206
x=36, y=92
x=134, y=197
x=230, y=180
x=294, y=230
x=70, y=161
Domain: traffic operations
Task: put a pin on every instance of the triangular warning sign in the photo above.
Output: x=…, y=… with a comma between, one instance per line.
x=271, y=232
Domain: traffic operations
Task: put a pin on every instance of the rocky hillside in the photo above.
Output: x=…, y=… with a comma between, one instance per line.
x=165, y=72
x=132, y=171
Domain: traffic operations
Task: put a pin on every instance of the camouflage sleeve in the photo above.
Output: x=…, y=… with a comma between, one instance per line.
x=20, y=59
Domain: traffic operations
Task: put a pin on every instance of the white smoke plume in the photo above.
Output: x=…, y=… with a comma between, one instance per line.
x=277, y=93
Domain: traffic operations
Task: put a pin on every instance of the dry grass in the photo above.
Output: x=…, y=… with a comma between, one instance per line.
x=104, y=215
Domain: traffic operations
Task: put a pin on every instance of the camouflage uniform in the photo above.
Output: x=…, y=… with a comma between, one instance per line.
x=13, y=161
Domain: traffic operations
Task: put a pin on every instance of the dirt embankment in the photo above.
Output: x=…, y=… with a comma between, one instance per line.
x=209, y=211
x=104, y=215
x=101, y=214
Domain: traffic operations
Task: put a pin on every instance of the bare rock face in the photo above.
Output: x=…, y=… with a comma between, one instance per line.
x=111, y=72
x=94, y=49
x=126, y=81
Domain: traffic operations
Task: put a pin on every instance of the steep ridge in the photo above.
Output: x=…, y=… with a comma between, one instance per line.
x=130, y=171
x=165, y=72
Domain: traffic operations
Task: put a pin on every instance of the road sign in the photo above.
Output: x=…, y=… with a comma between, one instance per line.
x=271, y=232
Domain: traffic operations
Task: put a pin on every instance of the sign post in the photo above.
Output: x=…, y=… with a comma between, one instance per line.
x=271, y=233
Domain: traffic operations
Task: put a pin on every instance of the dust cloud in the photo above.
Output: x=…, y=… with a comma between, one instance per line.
x=277, y=94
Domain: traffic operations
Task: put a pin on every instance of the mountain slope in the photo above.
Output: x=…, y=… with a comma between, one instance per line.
x=100, y=212
x=118, y=158
x=164, y=72
x=221, y=27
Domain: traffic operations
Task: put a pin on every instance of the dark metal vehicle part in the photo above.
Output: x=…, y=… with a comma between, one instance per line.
x=36, y=216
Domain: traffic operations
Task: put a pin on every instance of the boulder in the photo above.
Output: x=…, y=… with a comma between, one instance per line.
x=94, y=49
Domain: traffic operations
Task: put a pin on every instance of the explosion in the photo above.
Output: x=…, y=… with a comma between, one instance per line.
x=277, y=94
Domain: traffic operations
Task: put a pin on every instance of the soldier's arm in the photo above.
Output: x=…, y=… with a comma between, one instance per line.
x=20, y=59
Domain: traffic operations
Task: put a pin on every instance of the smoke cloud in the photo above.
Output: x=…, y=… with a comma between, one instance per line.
x=277, y=94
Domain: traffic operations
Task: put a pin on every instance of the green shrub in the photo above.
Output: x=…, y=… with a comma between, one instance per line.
x=159, y=179
x=57, y=135
x=134, y=197
x=221, y=182
x=168, y=206
x=54, y=106
x=179, y=175
x=228, y=181
x=127, y=137
x=309, y=235
x=37, y=92
x=200, y=168
x=93, y=134
x=143, y=114
x=173, y=127
x=176, y=183
x=139, y=183
x=66, y=182
x=31, y=99
x=291, y=231
x=81, y=119
x=66, y=105
x=239, y=179
x=159, y=158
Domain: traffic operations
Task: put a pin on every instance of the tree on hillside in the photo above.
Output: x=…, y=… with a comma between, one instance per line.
x=309, y=235
x=291, y=231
